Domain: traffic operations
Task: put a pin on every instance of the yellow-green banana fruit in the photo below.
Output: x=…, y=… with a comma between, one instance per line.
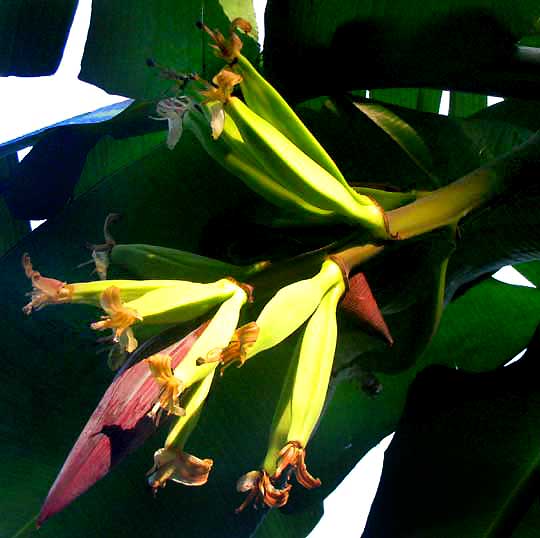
x=52, y=291
x=266, y=101
x=231, y=152
x=161, y=307
x=185, y=301
x=304, y=390
x=149, y=261
x=292, y=306
x=298, y=410
x=216, y=335
x=171, y=462
x=299, y=173
x=281, y=421
x=315, y=359
x=192, y=404
x=213, y=340
x=261, y=97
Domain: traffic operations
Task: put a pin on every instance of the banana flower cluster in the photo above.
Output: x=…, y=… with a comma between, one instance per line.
x=263, y=142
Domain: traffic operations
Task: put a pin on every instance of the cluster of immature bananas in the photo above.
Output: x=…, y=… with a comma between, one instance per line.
x=305, y=386
x=265, y=144
x=262, y=141
x=312, y=302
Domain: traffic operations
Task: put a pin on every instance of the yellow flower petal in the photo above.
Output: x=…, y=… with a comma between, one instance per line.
x=171, y=386
x=119, y=318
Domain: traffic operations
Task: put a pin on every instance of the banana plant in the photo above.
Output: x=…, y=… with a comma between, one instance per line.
x=330, y=251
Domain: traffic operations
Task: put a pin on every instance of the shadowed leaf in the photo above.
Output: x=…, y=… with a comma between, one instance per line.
x=467, y=444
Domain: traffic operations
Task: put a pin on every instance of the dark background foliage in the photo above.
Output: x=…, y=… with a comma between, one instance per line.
x=464, y=461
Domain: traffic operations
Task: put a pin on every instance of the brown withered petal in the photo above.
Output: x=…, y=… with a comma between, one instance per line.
x=261, y=491
x=272, y=496
x=292, y=457
x=241, y=23
x=45, y=290
x=228, y=48
x=360, y=303
x=243, y=338
x=222, y=86
x=117, y=427
x=178, y=466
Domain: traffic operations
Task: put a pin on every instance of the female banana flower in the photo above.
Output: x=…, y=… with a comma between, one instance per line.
x=299, y=408
x=288, y=310
x=48, y=290
x=130, y=302
x=45, y=290
x=171, y=462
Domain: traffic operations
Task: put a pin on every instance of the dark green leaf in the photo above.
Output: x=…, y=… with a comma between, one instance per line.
x=502, y=318
x=531, y=271
x=528, y=526
x=45, y=180
x=463, y=105
x=33, y=36
x=518, y=112
x=401, y=132
x=468, y=46
x=467, y=444
x=423, y=99
x=11, y=230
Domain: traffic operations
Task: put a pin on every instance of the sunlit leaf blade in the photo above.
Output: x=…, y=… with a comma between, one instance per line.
x=467, y=444
x=531, y=271
x=118, y=45
x=96, y=116
x=484, y=303
x=118, y=426
x=463, y=105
